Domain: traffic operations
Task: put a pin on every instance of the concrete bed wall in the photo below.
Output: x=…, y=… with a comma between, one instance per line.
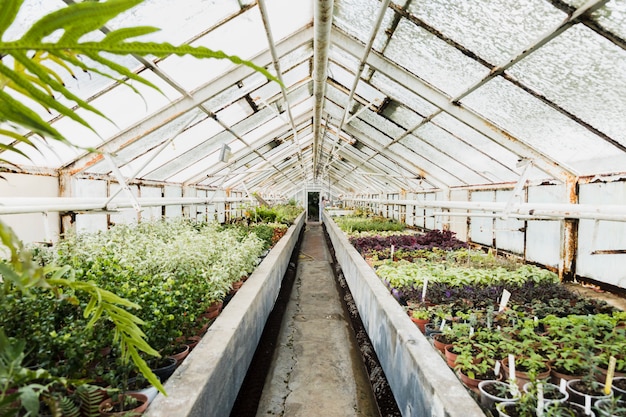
x=422, y=382
x=208, y=381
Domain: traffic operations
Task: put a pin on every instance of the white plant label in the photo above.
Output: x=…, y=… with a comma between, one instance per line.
x=392, y=252
x=496, y=368
x=511, y=368
x=563, y=385
x=506, y=295
x=539, y=411
x=471, y=331
x=424, y=289
x=588, y=404
x=443, y=325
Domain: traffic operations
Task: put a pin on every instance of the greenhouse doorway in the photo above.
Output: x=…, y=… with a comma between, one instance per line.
x=313, y=206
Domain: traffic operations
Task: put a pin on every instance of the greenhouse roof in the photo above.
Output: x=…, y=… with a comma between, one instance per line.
x=377, y=95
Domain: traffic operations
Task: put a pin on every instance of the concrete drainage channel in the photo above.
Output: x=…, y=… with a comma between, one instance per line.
x=381, y=390
x=252, y=387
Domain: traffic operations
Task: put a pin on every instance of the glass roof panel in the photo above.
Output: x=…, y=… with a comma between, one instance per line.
x=178, y=24
x=585, y=74
x=496, y=30
x=357, y=17
x=613, y=17
x=537, y=124
x=481, y=163
x=243, y=36
x=234, y=92
x=235, y=112
x=346, y=78
x=432, y=59
x=184, y=142
x=401, y=94
x=151, y=140
x=287, y=16
x=343, y=58
x=401, y=115
x=193, y=155
x=30, y=12
x=465, y=134
x=194, y=170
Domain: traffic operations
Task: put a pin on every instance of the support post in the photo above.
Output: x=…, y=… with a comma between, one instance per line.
x=66, y=219
x=569, y=241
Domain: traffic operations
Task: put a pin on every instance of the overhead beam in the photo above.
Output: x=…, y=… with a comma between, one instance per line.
x=186, y=103
x=465, y=116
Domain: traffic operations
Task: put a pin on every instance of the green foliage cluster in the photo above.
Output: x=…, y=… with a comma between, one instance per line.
x=404, y=274
x=34, y=67
x=173, y=270
x=278, y=213
x=355, y=224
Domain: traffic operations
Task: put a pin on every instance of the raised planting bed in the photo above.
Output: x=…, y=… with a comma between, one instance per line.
x=481, y=310
x=208, y=382
x=120, y=298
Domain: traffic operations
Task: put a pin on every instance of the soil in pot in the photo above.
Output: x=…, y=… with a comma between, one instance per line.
x=566, y=409
x=619, y=388
x=578, y=389
x=522, y=377
x=180, y=353
x=493, y=392
x=551, y=392
x=515, y=409
x=163, y=367
x=472, y=383
x=128, y=405
x=611, y=408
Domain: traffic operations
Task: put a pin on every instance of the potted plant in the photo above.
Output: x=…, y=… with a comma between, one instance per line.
x=473, y=370
x=421, y=317
x=611, y=407
x=129, y=404
x=565, y=409
x=493, y=392
x=588, y=386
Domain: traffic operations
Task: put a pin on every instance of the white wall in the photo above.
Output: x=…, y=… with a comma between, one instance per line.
x=458, y=224
x=31, y=227
x=481, y=228
x=543, y=237
x=605, y=235
x=90, y=222
x=509, y=237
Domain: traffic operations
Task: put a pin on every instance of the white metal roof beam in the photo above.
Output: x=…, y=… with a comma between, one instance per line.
x=322, y=24
x=357, y=76
x=279, y=75
x=467, y=117
x=184, y=104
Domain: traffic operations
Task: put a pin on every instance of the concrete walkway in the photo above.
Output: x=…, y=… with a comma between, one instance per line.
x=316, y=369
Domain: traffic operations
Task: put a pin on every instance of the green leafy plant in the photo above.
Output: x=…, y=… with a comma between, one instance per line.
x=34, y=66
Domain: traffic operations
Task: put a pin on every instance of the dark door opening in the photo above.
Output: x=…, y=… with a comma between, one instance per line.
x=313, y=206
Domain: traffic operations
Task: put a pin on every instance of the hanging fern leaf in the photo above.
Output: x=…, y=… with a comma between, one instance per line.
x=36, y=79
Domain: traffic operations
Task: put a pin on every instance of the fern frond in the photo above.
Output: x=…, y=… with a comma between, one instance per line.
x=45, y=99
x=90, y=398
x=9, y=12
x=68, y=408
x=16, y=112
x=77, y=20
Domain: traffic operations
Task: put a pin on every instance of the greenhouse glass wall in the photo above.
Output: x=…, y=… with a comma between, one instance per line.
x=499, y=120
